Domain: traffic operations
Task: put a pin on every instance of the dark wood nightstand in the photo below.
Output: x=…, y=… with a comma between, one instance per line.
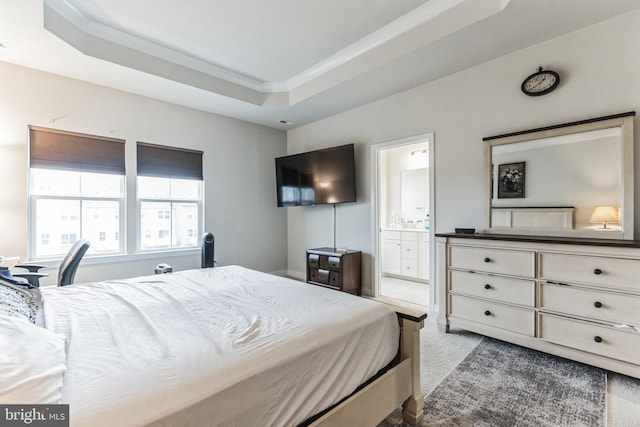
x=335, y=269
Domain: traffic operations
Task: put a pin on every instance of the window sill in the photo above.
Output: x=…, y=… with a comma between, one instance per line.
x=120, y=258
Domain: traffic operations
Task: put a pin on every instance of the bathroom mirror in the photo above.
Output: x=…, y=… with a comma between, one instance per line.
x=572, y=180
x=414, y=184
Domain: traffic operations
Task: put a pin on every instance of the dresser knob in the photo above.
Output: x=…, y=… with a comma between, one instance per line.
x=487, y=286
x=597, y=271
x=487, y=313
x=487, y=260
x=597, y=338
x=597, y=304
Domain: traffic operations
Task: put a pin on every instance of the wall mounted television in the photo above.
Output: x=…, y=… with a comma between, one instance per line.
x=319, y=177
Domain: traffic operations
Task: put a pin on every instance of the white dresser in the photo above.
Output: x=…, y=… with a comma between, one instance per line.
x=576, y=298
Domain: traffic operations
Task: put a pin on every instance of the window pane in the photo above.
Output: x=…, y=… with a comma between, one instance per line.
x=185, y=189
x=173, y=222
x=101, y=185
x=101, y=225
x=56, y=230
x=153, y=188
x=185, y=222
x=157, y=228
x=53, y=182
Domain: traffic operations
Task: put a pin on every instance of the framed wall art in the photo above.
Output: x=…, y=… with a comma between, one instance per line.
x=511, y=178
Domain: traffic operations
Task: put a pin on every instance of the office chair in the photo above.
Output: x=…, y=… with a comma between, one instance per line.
x=68, y=266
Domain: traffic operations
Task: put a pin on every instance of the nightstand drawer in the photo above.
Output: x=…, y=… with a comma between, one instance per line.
x=313, y=260
x=611, y=272
x=334, y=263
x=490, y=313
x=319, y=275
x=334, y=279
x=497, y=288
x=591, y=303
x=489, y=260
x=598, y=339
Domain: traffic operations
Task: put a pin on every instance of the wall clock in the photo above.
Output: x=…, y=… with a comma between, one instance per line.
x=540, y=83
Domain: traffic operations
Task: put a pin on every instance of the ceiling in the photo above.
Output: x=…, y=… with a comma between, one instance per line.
x=276, y=61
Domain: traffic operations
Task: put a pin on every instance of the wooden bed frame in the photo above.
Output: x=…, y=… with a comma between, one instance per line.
x=399, y=386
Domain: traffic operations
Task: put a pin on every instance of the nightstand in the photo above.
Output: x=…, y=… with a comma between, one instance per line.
x=339, y=270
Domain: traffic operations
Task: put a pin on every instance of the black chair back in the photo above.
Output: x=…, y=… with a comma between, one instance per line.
x=70, y=262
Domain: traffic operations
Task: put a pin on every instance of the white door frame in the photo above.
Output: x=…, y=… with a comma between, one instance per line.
x=376, y=265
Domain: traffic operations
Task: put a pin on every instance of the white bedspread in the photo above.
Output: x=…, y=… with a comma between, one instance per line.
x=271, y=351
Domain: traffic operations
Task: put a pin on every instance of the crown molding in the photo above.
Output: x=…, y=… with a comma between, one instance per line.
x=411, y=31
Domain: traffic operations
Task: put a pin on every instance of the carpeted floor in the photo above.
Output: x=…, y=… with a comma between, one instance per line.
x=500, y=384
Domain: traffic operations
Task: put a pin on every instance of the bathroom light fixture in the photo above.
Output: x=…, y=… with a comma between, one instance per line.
x=604, y=214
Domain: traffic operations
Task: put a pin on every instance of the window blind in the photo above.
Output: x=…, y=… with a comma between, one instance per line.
x=56, y=149
x=168, y=162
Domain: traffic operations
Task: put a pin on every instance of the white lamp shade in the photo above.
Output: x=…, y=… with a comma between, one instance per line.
x=605, y=214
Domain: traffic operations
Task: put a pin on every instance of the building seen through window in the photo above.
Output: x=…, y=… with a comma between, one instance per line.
x=69, y=204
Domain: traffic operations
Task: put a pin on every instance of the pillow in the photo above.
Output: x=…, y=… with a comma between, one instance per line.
x=19, y=301
x=32, y=362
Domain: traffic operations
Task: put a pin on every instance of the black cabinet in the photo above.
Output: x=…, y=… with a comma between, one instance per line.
x=335, y=269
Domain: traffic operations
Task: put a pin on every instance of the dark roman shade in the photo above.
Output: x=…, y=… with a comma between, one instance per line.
x=169, y=162
x=56, y=149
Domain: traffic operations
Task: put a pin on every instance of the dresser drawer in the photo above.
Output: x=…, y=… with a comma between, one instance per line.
x=591, y=303
x=603, y=340
x=409, y=267
x=510, y=262
x=502, y=316
x=498, y=288
x=410, y=249
x=612, y=272
x=409, y=236
x=392, y=235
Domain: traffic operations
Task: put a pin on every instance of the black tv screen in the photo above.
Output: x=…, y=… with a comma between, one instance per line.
x=326, y=176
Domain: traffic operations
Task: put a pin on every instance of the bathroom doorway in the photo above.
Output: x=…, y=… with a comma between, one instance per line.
x=404, y=220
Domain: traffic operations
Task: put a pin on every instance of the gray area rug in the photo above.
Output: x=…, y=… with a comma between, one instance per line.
x=500, y=384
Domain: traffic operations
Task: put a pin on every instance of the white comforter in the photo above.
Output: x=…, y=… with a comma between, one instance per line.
x=261, y=349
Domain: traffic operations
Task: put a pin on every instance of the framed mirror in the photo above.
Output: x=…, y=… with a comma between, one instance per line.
x=572, y=180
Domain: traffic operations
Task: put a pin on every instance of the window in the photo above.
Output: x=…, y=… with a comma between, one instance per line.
x=76, y=189
x=169, y=197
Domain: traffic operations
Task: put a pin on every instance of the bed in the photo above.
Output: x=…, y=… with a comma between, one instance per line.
x=225, y=346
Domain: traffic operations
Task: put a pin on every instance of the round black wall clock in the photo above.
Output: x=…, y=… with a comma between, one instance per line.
x=540, y=83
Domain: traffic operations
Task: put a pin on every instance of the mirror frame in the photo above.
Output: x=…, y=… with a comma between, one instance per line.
x=624, y=121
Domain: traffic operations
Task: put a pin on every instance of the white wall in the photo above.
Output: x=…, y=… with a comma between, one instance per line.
x=599, y=68
x=239, y=172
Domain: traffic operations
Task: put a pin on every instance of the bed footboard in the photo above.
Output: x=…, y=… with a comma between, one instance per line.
x=399, y=386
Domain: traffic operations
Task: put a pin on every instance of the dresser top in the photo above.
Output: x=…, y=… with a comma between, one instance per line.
x=545, y=239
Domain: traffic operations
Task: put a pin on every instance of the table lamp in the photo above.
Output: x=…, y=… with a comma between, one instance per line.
x=603, y=215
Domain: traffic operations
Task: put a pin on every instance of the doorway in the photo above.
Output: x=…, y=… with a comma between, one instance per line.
x=402, y=211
